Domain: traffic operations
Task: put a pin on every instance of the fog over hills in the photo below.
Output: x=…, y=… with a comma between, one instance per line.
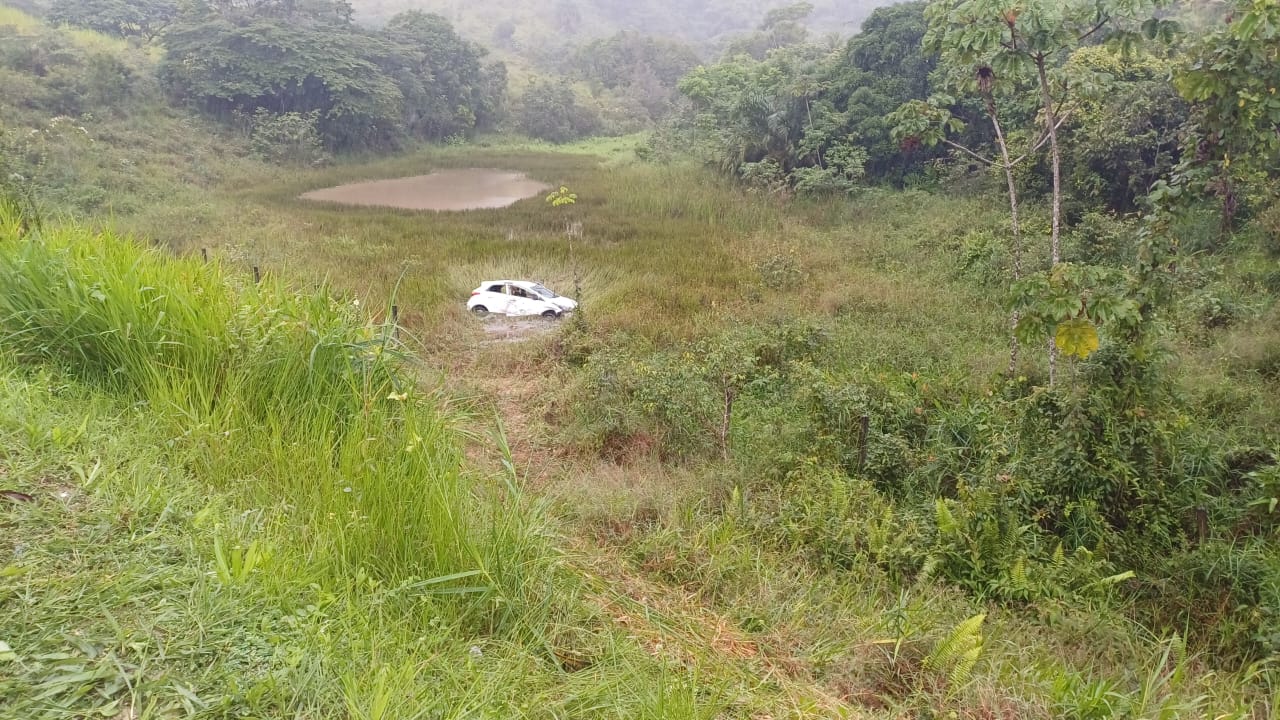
x=534, y=23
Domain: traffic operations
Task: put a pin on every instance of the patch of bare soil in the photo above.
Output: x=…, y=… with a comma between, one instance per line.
x=500, y=329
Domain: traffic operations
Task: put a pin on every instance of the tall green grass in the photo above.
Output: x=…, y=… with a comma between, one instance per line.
x=289, y=400
x=129, y=588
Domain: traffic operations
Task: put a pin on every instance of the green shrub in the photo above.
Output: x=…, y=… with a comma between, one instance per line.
x=780, y=269
x=551, y=111
x=1226, y=593
x=983, y=256
x=287, y=138
x=765, y=176
x=842, y=173
x=1100, y=238
x=841, y=522
x=985, y=545
x=683, y=401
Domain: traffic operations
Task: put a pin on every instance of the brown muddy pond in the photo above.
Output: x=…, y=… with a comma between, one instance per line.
x=470, y=189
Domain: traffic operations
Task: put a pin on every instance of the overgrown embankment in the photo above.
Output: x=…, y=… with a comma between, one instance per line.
x=224, y=499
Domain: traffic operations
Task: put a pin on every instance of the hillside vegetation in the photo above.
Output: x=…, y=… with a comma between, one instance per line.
x=921, y=374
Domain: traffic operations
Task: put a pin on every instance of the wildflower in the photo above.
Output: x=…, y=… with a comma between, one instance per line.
x=355, y=303
x=346, y=489
x=476, y=652
x=413, y=444
x=398, y=397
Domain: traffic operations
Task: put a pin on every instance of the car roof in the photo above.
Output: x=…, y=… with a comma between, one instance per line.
x=521, y=283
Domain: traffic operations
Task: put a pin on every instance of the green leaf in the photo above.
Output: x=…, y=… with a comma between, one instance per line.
x=1151, y=28
x=6, y=653
x=1077, y=337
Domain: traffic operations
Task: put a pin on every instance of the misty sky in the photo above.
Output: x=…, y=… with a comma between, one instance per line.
x=694, y=20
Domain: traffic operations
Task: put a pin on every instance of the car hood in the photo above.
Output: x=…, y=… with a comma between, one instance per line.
x=563, y=303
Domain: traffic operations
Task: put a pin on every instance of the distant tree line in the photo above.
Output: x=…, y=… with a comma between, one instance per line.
x=365, y=89
x=785, y=112
x=792, y=113
x=304, y=69
x=618, y=85
x=145, y=19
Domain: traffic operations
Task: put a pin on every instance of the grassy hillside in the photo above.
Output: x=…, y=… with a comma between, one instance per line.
x=83, y=121
x=674, y=598
x=232, y=500
x=225, y=499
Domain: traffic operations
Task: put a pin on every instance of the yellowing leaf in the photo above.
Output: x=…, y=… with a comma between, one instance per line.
x=1077, y=337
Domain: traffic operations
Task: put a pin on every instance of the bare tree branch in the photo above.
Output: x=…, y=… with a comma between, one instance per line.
x=1101, y=24
x=1044, y=138
x=986, y=161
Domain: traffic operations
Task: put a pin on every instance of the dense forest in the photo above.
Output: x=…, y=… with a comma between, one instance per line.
x=928, y=370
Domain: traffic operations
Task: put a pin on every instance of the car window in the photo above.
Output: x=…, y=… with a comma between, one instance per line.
x=495, y=288
x=544, y=292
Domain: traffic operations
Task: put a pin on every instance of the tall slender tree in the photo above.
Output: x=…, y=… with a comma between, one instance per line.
x=1031, y=41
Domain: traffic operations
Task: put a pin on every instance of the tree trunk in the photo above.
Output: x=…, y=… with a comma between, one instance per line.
x=1014, y=222
x=1051, y=122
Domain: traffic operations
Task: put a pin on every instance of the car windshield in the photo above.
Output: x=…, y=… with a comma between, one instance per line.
x=543, y=291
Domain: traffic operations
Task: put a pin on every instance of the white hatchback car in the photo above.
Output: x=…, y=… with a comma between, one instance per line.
x=518, y=297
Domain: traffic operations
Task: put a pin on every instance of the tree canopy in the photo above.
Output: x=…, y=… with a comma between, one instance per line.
x=367, y=89
x=126, y=18
x=816, y=115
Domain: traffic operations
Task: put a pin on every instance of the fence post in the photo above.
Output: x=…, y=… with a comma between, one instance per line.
x=864, y=430
x=395, y=321
x=204, y=254
x=257, y=275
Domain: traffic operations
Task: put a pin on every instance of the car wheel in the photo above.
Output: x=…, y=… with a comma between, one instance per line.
x=551, y=314
x=480, y=310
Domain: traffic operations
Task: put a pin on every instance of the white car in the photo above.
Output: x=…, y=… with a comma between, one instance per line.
x=518, y=297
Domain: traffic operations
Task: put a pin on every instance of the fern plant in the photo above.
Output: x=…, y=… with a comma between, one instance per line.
x=956, y=655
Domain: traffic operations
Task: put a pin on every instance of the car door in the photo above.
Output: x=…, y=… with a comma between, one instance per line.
x=522, y=304
x=498, y=299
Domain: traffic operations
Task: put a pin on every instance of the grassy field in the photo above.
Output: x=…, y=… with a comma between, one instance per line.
x=655, y=259
x=224, y=499
x=221, y=572
x=207, y=513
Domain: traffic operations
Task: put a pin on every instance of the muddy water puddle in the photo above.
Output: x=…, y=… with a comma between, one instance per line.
x=447, y=190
